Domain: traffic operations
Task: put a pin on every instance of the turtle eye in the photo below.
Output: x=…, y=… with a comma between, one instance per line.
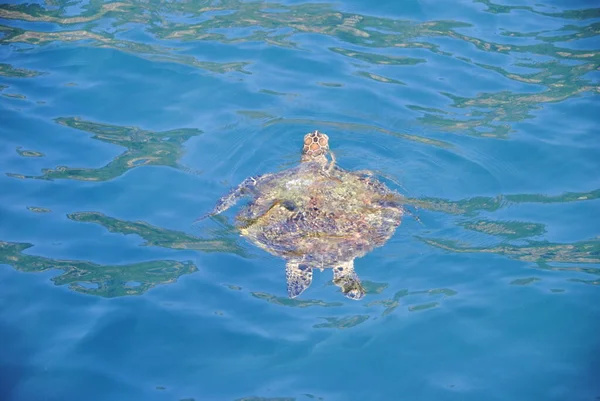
x=289, y=205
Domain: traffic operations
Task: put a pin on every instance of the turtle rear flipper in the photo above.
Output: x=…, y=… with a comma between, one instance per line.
x=298, y=278
x=345, y=277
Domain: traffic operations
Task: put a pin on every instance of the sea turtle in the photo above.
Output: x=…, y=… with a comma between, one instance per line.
x=316, y=215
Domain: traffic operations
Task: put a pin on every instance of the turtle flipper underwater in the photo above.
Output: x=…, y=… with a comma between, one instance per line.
x=245, y=188
x=298, y=277
x=345, y=277
x=316, y=215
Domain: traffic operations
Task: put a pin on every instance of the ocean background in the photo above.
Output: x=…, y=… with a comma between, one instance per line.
x=122, y=122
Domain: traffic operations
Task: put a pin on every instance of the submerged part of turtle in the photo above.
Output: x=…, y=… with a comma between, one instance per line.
x=317, y=215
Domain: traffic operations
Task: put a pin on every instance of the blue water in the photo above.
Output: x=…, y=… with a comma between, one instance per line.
x=123, y=122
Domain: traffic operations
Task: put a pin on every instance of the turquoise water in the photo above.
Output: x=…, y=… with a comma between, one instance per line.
x=123, y=122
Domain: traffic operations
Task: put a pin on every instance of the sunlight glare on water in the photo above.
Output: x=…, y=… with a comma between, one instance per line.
x=122, y=122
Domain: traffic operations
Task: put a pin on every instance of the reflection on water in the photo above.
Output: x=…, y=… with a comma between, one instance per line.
x=391, y=304
x=547, y=66
x=118, y=280
x=29, y=153
x=143, y=148
x=8, y=70
x=506, y=229
x=471, y=206
x=487, y=114
x=341, y=323
x=524, y=281
x=534, y=251
x=36, y=209
x=94, y=279
x=298, y=303
x=156, y=236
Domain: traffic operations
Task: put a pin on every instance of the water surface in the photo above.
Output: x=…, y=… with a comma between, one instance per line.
x=122, y=122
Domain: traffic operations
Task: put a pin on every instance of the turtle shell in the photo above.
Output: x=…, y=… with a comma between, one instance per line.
x=320, y=217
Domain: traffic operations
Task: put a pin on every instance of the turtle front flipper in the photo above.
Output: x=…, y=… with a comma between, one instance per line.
x=345, y=277
x=298, y=278
x=245, y=188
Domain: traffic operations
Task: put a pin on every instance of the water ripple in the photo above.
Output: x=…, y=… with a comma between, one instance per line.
x=122, y=122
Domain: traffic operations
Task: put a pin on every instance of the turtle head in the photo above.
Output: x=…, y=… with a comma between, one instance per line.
x=316, y=146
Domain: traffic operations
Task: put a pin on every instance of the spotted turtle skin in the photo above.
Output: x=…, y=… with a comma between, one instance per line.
x=315, y=144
